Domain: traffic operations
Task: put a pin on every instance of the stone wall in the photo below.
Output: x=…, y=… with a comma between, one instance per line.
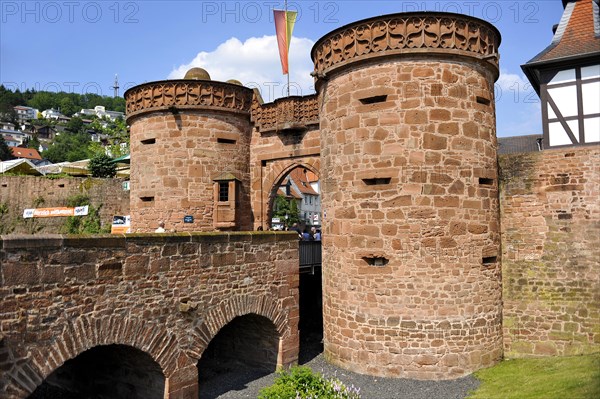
x=21, y=192
x=166, y=295
x=551, y=252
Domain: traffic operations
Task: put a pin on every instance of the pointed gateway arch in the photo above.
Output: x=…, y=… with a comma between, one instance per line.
x=278, y=172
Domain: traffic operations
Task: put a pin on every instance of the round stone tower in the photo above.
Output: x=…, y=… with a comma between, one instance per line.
x=190, y=152
x=411, y=261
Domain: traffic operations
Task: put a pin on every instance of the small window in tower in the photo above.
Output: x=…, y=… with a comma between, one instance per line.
x=377, y=261
x=223, y=191
x=489, y=260
x=377, y=181
x=374, y=99
x=486, y=182
x=483, y=100
x=225, y=141
x=147, y=199
x=148, y=141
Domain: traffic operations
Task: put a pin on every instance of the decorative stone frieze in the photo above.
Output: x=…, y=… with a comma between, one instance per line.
x=187, y=94
x=407, y=33
x=286, y=114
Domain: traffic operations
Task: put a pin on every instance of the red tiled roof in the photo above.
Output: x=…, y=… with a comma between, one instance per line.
x=578, y=37
x=299, y=177
x=293, y=193
x=27, y=153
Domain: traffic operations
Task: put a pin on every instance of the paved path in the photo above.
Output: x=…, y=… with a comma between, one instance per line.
x=247, y=385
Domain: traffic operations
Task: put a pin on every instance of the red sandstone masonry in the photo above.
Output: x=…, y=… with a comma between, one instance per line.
x=20, y=192
x=411, y=249
x=551, y=251
x=174, y=161
x=434, y=310
x=62, y=295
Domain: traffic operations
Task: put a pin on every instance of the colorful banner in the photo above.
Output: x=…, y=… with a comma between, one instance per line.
x=55, y=212
x=284, y=26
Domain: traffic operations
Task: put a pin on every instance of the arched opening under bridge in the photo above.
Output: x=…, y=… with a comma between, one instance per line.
x=105, y=372
x=244, y=350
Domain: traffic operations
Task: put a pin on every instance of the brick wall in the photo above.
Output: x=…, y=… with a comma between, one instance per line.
x=167, y=295
x=551, y=252
x=21, y=192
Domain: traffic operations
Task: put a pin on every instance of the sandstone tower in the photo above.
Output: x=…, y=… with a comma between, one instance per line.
x=190, y=146
x=411, y=256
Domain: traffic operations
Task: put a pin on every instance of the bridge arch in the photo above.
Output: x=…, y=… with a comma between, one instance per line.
x=221, y=315
x=87, y=332
x=109, y=371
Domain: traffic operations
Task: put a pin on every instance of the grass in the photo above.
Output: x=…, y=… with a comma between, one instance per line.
x=576, y=377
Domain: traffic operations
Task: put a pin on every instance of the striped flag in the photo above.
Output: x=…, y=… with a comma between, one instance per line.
x=284, y=25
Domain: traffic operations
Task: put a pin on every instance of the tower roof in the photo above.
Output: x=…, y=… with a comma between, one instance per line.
x=197, y=73
x=577, y=38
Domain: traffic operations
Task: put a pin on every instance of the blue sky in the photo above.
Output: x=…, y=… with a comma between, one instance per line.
x=79, y=46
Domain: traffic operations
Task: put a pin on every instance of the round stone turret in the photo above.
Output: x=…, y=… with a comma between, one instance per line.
x=190, y=150
x=411, y=249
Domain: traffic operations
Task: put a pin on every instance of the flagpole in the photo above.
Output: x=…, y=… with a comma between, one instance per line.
x=288, y=74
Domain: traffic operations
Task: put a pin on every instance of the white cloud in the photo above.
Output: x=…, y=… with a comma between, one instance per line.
x=255, y=63
x=513, y=82
x=518, y=108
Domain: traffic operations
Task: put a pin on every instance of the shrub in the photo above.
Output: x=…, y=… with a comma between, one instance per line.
x=101, y=165
x=302, y=383
x=90, y=224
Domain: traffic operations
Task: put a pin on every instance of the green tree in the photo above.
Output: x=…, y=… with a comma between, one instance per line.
x=75, y=125
x=101, y=165
x=44, y=100
x=5, y=152
x=67, y=107
x=68, y=147
x=286, y=209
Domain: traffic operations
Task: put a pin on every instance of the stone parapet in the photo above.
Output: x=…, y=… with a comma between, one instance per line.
x=178, y=95
x=289, y=113
x=420, y=33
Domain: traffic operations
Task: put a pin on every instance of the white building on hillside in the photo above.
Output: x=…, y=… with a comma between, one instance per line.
x=101, y=112
x=25, y=114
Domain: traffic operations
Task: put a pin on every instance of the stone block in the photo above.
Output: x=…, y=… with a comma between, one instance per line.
x=20, y=273
x=434, y=142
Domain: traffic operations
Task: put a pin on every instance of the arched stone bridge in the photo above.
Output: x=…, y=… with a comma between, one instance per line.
x=165, y=297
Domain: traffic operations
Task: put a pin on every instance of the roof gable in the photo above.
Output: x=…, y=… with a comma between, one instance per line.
x=576, y=33
x=576, y=40
x=27, y=153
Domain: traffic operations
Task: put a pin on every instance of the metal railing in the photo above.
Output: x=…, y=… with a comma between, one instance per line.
x=310, y=256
